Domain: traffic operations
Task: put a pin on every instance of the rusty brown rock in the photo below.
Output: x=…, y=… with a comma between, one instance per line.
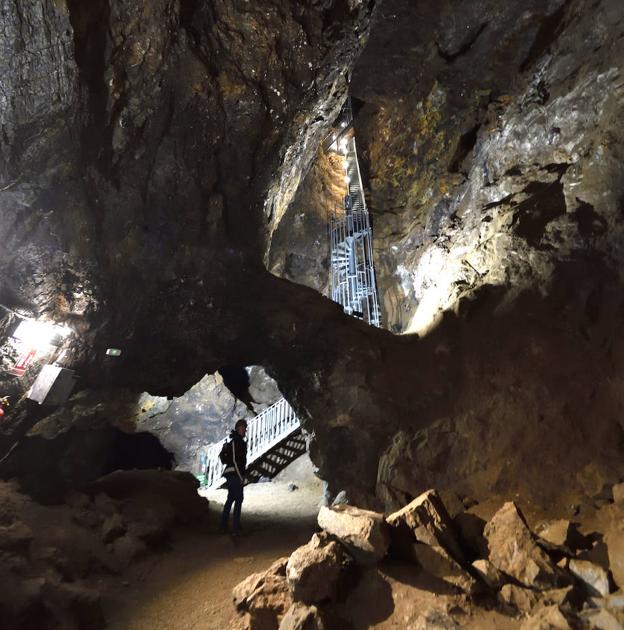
x=513, y=550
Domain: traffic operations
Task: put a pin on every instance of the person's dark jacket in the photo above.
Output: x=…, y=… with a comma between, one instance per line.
x=239, y=447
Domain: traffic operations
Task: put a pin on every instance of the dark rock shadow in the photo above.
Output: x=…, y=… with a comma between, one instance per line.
x=412, y=575
x=357, y=608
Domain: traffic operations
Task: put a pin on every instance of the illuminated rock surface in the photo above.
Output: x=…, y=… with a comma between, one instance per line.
x=159, y=195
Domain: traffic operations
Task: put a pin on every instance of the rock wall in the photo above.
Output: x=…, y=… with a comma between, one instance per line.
x=491, y=141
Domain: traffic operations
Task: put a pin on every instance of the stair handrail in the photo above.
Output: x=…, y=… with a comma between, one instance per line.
x=264, y=431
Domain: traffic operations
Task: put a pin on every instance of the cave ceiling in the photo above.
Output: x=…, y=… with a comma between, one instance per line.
x=151, y=158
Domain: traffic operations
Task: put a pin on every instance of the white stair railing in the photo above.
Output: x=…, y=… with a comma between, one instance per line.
x=267, y=429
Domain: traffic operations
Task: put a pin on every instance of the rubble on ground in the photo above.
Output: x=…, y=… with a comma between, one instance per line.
x=48, y=572
x=499, y=567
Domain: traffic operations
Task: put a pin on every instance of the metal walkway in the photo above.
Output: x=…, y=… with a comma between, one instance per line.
x=274, y=440
x=274, y=437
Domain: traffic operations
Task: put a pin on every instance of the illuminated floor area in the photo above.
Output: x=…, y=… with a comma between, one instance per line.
x=189, y=587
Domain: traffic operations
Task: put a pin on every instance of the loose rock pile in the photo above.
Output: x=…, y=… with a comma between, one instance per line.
x=560, y=579
x=49, y=555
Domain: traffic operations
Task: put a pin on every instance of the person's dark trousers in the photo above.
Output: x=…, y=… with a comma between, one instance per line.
x=235, y=496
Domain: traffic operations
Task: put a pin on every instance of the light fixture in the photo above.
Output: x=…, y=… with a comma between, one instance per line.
x=347, y=179
x=343, y=124
x=40, y=335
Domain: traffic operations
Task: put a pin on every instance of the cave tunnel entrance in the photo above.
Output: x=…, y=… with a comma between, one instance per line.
x=236, y=379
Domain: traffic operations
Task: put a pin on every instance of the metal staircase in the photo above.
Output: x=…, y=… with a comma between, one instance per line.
x=274, y=440
x=274, y=437
x=353, y=283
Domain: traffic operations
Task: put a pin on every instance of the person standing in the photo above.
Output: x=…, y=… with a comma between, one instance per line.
x=234, y=473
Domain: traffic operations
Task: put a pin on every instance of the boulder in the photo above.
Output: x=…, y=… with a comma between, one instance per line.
x=76, y=606
x=613, y=604
x=548, y=618
x=489, y=573
x=15, y=537
x=614, y=539
x=127, y=548
x=594, y=577
x=556, y=532
x=302, y=617
x=513, y=550
x=265, y=596
x=598, y=554
x=618, y=493
x=113, y=527
x=426, y=520
x=435, y=560
x=562, y=535
x=365, y=534
x=600, y=619
x=315, y=570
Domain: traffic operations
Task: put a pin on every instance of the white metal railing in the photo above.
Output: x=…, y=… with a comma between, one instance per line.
x=267, y=429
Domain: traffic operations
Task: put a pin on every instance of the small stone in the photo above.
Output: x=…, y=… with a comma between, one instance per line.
x=365, y=534
x=340, y=499
x=314, y=570
x=489, y=573
x=593, y=576
x=601, y=619
x=548, y=618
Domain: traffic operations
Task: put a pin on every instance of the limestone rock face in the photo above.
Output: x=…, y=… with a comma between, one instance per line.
x=513, y=550
x=149, y=155
x=314, y=570
x=363, y=532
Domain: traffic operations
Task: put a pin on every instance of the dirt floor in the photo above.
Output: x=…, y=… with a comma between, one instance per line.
x=189, y=586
